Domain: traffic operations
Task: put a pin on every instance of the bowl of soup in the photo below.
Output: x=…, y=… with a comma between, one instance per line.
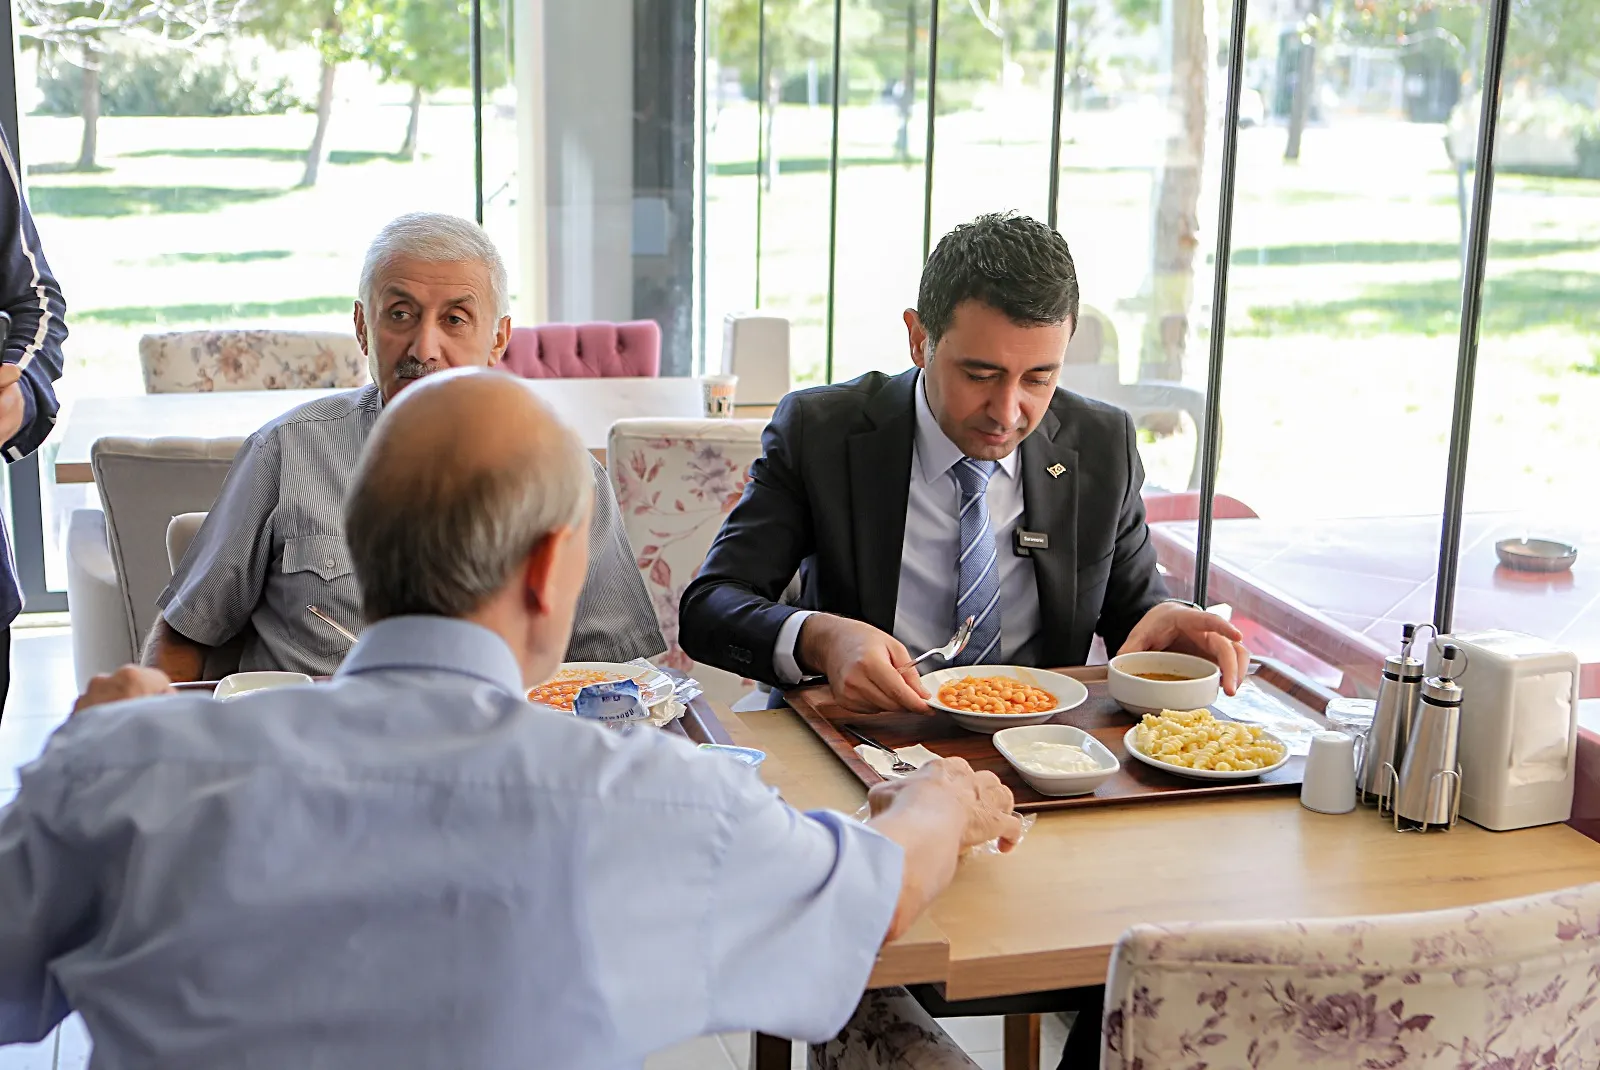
x=1156, y=680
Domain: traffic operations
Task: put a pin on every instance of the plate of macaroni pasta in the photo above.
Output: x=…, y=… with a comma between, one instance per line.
x=1195, y=744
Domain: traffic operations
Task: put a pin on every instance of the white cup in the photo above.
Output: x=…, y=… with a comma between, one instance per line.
x=1330, y=783
x=719, y=394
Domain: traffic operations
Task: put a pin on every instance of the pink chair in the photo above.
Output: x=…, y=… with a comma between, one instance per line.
x=1586, y=795
x=585, y=350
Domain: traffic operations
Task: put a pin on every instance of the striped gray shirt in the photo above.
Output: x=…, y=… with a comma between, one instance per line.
x=274, y=544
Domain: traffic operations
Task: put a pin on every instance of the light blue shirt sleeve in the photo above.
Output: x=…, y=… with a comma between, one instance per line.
x=800, y=909
x=44, y=900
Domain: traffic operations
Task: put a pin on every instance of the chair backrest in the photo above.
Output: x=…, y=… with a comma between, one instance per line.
x=1164, y=506
x=188, y=362
x=1090, y=366
x=675, y=481
x=585, y=351
x=143, y=484
x=1512, y=983
x=756, y=349
x=180, y=533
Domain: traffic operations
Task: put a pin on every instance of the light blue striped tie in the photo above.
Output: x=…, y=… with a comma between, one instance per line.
x=978, y=567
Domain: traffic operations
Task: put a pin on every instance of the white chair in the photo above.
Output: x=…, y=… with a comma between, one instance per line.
x=756, y=349
x=180, y=533
x=1091, y=368
x=117, y=560
x=187, y=362
x=675, y=481
x=1507, y=984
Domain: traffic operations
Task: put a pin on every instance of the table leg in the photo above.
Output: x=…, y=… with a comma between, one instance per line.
x=1022, y=1041
x=768, y=1053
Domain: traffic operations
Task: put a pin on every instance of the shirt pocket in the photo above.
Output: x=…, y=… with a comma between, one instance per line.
x=326, y=556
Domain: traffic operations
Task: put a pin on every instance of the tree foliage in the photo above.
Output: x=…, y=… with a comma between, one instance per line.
x=428, y=43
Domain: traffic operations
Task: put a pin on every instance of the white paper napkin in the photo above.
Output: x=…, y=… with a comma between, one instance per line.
x=883, y=765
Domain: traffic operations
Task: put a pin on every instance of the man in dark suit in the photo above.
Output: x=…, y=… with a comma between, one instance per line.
x=967, y=486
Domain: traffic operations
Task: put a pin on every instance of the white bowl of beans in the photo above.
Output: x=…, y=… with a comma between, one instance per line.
x=987, y=698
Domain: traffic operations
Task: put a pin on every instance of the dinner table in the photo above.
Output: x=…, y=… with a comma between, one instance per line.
x=1046, y=916
x=588, y=406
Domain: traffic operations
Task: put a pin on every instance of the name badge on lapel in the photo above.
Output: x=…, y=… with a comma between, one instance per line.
x=1028, y=541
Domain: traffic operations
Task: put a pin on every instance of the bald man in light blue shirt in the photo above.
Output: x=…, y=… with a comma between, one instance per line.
x=411, y=866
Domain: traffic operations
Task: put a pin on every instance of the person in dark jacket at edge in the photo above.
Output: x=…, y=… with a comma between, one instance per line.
x=30, y=364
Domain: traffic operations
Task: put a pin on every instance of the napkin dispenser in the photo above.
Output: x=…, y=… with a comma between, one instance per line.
x=1519, y=730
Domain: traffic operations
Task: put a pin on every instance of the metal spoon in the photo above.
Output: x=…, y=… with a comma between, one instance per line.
x=899, y=765
x=330, y=622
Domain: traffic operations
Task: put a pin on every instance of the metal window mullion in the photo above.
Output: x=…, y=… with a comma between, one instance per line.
x=927, y=148
x=833, y=185
x=761, y=131
x=1472, y=278
x=705, y=176
x=1053, y=211
x=477, y=108
x=1211, y=433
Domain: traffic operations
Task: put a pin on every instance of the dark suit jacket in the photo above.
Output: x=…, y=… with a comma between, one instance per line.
x=828, y=497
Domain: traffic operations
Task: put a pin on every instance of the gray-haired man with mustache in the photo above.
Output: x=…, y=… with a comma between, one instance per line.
x=432, y=296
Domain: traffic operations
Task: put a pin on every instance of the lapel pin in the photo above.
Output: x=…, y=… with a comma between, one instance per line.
x=1055, y=471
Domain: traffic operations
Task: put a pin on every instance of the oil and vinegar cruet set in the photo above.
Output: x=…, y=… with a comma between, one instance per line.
x=1481, y=726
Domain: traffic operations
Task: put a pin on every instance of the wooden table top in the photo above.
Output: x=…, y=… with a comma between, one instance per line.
x=589, y=406
x=1046, y=916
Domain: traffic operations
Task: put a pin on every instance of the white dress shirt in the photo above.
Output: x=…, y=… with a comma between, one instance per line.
x=925, y=607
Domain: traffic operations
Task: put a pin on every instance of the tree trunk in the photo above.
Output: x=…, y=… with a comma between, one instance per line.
x=90, y=107
x=770, y=157
x=1177, y=220
x=408, y=150
x=324, y=113
x=908, y=87
x=1300, y=103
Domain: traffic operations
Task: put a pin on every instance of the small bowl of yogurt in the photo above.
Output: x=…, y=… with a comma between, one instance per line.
x=1057, y=759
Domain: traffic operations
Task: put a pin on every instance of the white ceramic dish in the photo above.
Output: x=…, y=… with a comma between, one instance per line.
x=1069, y=694
x=241, y=683
x=1140, y=696
x=1205, y=774
x=1058, y=783
x=655, y=686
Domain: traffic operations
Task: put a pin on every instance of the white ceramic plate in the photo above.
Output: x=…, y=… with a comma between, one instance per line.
x=655, y=686
x=242, y=683
x=1069, y=694
x=1205, y=774
x=1058, y=784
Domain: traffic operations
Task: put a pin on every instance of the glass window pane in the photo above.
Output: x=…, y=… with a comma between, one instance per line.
x=1139, y=186
x=1343, y=313
x=994, y=102
x=1535, y=440
x=191, y=198
x=734, y=175
x=882, y=135
x=798, y=130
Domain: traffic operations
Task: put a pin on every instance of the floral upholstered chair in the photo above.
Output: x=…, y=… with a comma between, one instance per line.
x=890, y=1031
x=675, y=481
x=188, y=362
x=1513, y=985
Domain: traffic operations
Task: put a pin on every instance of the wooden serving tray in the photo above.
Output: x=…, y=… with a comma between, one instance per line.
x=1099, y=716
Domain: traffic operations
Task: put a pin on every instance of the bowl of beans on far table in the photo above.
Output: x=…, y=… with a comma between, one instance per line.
x=987, y=698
